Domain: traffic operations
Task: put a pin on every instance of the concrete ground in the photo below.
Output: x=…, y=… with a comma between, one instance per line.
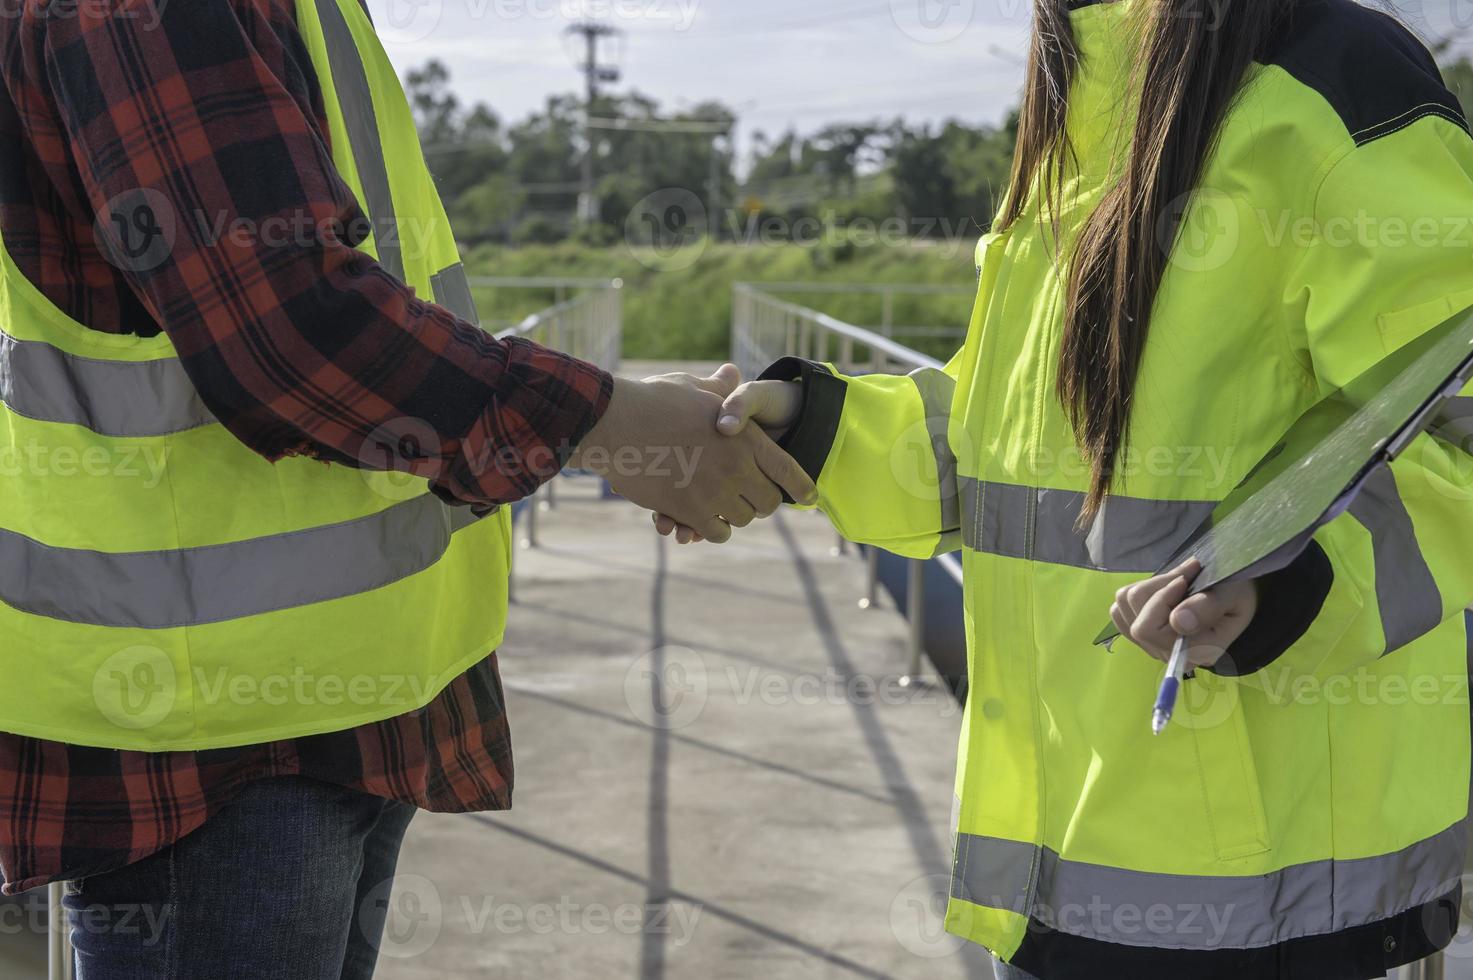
x=717, y=774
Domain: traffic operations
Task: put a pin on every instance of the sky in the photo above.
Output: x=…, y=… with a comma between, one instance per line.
x=779, y=63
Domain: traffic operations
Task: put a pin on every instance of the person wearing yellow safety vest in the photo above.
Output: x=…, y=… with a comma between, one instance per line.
x=1221, y=213
x=231, y=672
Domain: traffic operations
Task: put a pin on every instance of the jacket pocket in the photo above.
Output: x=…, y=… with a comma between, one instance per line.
x=1225, y=767
x=1404, y=326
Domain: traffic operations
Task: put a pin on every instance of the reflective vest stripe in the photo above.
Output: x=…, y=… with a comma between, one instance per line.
x=938, y=390
x=1406, y=591
x=1039, y=524
x=195, y=586
x=126, y=399
x=1201, y=912
x=453, y=291
x=135, y=399
x=356, y=99
x=1137, y=536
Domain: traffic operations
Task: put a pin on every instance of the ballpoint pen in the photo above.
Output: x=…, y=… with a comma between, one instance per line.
x=1176, y=672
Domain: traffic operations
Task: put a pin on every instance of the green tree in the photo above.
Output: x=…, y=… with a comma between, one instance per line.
x=465, y=150
x=947, y=179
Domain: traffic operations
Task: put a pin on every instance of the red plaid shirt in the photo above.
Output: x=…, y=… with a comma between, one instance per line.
x=298, y=350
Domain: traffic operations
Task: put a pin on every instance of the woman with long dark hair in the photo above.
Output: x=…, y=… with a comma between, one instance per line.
x=1221, y=212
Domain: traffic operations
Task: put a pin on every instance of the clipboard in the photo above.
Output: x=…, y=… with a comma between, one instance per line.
x=1316, y=471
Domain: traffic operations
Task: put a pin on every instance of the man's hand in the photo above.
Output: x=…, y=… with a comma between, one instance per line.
x=1153, y=613
x=773, y=405
x=658, y=446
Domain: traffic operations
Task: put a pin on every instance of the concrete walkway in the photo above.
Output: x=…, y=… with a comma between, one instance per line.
x=718, y=776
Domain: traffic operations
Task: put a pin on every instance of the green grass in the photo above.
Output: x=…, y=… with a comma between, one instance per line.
x=685, y=313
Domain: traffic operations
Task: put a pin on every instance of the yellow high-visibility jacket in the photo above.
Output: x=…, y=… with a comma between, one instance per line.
x=1307, y=819
x=231, y=600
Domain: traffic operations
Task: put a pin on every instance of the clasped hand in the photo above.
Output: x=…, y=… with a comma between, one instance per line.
x=666, y=444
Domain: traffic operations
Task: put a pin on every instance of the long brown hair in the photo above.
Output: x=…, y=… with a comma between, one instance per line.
x=1191, y=63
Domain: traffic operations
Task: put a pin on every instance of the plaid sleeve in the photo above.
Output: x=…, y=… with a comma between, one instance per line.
x=204, y=120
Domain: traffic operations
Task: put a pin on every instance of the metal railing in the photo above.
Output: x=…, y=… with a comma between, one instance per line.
x=560, y=287
x=886, y=293
x=589, y=326
x=765, y=328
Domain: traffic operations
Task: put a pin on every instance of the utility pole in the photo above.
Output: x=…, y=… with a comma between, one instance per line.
x=593, y=73
x=713, y=182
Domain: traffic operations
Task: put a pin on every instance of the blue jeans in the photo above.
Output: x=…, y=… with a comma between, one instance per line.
x=288, y=880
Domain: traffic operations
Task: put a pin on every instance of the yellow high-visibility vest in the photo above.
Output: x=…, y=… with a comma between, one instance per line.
x=1330, y=789
x=162, y=587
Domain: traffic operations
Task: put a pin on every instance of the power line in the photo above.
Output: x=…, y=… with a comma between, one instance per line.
x=697, y=126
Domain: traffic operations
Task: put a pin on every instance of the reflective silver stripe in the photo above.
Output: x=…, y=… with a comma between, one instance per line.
x=1407, y=594
x=125, y=399
x=1454, y=423
x=193, y=586
x=938, y=390
x=453, y=291
x=1038, y=524
x=995, y=873
x=1199, y=912
x=356, y=98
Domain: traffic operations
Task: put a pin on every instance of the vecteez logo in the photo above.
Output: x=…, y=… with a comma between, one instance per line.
x=667, y=231
x=918, y=918
x=1435, y=18
x=136, y=230
x=136, y=688
x=406, y=21
x=667, y=688
x=412, y=912
x=1201, y=231
x=933, y=21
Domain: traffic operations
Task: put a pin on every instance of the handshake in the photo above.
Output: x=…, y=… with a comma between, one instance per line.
x=732, y=472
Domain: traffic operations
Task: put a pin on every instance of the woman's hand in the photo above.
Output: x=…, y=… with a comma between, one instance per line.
x=773, y=405
x=1153, y=613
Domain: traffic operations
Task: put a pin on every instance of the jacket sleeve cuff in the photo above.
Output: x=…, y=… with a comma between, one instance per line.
x=810, y=440
x=1289, y=601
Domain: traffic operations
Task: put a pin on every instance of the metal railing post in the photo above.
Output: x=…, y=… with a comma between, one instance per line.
x=915, y=594
x=1432, y=968
x=871, y=578
x=58, y=945
x=529, y=537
